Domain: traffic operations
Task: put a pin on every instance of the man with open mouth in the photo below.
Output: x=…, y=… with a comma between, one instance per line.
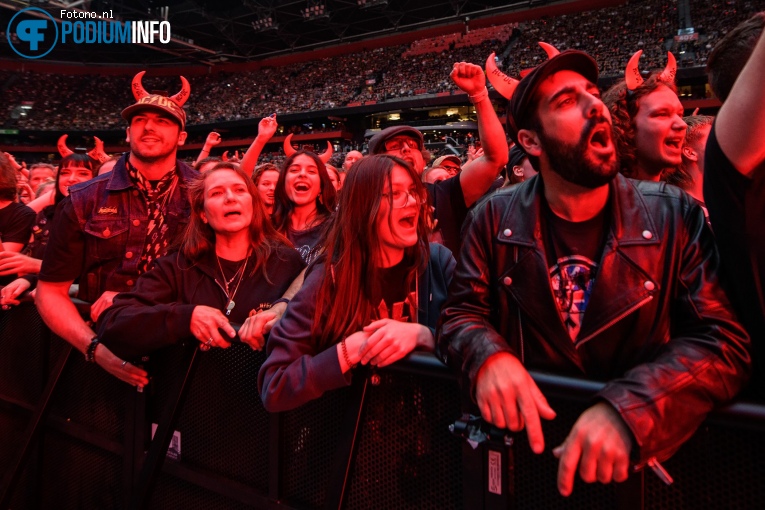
x=582, y=272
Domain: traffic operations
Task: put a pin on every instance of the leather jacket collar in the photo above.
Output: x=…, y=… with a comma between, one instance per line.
x=623, y=282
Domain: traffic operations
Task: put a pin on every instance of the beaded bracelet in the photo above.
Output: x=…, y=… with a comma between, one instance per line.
x=90, y=352
x=346, y=357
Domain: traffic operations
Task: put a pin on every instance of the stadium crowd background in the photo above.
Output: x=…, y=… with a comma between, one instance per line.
x=611, y=35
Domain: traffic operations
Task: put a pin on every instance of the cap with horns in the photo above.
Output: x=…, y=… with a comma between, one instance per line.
x=521, y=93
x=632, y=72
x=324, y=156
x=172, y=105
x=97, y=152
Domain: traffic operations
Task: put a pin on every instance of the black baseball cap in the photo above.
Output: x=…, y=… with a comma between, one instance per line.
x=523, y=97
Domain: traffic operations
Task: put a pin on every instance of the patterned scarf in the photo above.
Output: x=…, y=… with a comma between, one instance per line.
x=157, y=198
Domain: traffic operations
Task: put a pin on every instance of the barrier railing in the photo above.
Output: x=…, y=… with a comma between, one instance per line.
x=385, y=442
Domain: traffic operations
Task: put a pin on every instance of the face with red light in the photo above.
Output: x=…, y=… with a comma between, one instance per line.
x=227, y=203
x=71, y=175
x=398, y=215
x=267, y=186
x=302, y=181
x=659, y=131
x=571, y=134
x=407, y=148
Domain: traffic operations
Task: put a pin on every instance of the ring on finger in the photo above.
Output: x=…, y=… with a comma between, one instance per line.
x=209, y=342
x=124, y=363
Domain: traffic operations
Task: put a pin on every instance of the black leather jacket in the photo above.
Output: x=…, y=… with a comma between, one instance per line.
x=658, y=327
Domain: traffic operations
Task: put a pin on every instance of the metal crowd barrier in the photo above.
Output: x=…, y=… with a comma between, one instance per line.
x=391, y=440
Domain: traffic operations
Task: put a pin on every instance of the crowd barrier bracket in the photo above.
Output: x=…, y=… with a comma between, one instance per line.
x=344, y=455
x=155, y=458
x=32, y=432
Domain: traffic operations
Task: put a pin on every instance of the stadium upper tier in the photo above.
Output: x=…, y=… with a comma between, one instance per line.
x=40, y=101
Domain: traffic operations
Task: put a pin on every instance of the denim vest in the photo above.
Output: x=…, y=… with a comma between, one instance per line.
x=114, y=218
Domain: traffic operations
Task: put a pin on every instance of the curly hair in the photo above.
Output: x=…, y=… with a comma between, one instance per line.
x=623, y=105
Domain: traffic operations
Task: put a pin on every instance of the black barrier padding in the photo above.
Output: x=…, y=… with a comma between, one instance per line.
x=88, y=395
x=310, y=440
x=407, y=458
x=172, y=493
x=719, y=467
x=23, y=351
x=223, y=425
x=23, y=368
x=535, y=476
x=13, y=422
x=77, y=475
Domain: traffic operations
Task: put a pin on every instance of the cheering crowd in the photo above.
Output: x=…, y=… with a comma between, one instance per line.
x=564, y=250
x=610, y=35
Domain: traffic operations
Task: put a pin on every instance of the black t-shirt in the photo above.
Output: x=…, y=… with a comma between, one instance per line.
x=737, y=212
x=573, y=251
x=16, y=222
x=391, y=297
x=449, y=210
x=306, y=242
x=40, y=233
x=66, y=244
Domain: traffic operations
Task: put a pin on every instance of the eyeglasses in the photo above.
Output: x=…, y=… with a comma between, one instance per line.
x=396, y=144
x=400, y=198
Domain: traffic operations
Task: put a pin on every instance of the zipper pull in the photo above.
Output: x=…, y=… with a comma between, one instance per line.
x=659, y=470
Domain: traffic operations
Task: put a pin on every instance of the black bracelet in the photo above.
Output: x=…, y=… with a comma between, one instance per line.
x=284, y=300
x=90, y=352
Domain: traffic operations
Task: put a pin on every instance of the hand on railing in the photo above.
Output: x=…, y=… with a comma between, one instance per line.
x=599, y=444
x=508, y=397
x=10, y=293
x=253, y=330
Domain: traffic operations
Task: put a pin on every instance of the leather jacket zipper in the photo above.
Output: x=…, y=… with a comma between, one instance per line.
x=614, y=321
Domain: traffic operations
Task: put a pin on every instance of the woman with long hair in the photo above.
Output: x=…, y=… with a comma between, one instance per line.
x=372, y=297
x=304, y=199
x=265, y=178
x=73, y=169
x=231, y=264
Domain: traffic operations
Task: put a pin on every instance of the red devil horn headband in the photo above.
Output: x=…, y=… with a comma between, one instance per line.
x=180, y=98
x=62, y=147
x=501, y=82
x=324, y=156
x=96, y=152
x=632, y=72
x=549, y=49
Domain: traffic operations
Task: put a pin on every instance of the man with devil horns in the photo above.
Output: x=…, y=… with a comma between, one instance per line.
x=582, y=272
x=111, y=228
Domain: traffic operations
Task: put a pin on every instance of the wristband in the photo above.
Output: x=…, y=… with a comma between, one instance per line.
x=345, y=355
x=480, y=96
x=90, y=352
x=284, y=300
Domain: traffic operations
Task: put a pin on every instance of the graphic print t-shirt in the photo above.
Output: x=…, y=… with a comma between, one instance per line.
x=394, y=300
x=573, y=249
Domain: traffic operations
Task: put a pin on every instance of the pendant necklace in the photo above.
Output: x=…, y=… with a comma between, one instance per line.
x=230, y=295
